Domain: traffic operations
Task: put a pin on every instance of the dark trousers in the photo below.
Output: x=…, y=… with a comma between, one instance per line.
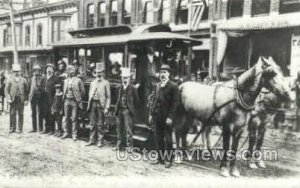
x=163, y=137
x=50, y=119
x=58, y=121
x=70, y=118
x=97, y=122
x=37, y=112
x=124, y=128
x=16, y=107
x=2, y=103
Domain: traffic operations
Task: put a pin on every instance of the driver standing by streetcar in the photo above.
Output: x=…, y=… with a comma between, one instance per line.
x=162, y=112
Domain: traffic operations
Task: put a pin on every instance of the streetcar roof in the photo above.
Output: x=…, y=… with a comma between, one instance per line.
x=125, y=38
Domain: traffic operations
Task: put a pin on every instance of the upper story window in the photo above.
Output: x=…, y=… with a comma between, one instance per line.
x=260, y=7
x=114, y=12
x=101, y=14
x=148, y=12
x=59, y=28
x=90, y=15
x=235, y=8
x=126, y=17
x=19, y=34
x=27, y=35
x=182, y=12
x=165, y=11
x=39, y=33
x=287, y=6
x=7, y=37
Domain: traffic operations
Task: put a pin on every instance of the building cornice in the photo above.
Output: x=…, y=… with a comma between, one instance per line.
x=43, y=9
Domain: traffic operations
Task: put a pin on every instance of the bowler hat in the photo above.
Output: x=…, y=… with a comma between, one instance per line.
x=16, y=67
x=50, y=65
x=100, y=67
x=71, y=69
x=165, y=67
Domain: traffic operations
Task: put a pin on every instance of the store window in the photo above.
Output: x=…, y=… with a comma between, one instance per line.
x=287, y=6
x=235, y=8
x=126, y=16
x=148, y=12
x=114, y=13
x=27, y=35
x=39, y=34
x=90, y=15
x=101, y=14
x=260, y=7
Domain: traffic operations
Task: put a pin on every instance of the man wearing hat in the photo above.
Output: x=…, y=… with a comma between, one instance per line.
x=162, y=112
x=98, y=105
x=126, y=106
x=16, y=91
x=72, y=95
x=61, y=72
x=50, y=81
x=35, y=98
x=79, y=68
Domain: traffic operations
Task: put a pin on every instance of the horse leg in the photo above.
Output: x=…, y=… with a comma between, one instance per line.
x=260, y=139
x=236, y=135
x=207, y=138
x=252, y=128
x=226, y=140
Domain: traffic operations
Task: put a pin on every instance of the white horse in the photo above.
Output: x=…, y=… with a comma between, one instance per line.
x=230, y=103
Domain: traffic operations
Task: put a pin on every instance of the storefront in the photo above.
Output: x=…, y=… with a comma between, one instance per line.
x=241, y=42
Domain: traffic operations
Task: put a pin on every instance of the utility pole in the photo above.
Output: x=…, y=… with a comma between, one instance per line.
x=13, y=31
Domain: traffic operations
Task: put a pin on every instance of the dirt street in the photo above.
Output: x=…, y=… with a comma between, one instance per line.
x=38, y=155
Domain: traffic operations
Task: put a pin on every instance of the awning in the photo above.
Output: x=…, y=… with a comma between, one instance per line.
x=261, y=23
x=125, y=38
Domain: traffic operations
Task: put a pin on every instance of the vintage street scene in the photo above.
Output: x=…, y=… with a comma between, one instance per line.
x=166, y=93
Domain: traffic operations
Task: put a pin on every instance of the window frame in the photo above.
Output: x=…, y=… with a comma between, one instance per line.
x=90, y=16
x=59, y=32
x=39, y=34
x=101, y=16
x=146, y=14
x=256, y=8
x=113, y=16
x=27, y=35
x=231, y=13
x=285, y=10
x=180, y=10
x=126, y=16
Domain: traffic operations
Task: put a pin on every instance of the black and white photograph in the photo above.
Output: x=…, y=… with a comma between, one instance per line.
x=149, y=93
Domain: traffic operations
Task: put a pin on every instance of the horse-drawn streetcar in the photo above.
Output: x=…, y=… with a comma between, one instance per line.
x=125, y=46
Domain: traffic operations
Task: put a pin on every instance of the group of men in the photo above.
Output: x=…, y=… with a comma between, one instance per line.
x=56, y=98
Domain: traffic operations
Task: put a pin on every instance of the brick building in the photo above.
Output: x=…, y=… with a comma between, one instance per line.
x=247, y=29
x=188, y=17
x=36, y=27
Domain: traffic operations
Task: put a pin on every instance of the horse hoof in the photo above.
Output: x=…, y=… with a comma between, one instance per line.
x=235, y=172
x=252, y=165
x=261, y=164
x=224, y=172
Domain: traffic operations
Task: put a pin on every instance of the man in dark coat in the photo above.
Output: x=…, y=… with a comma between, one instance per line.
x=2, y=87
x=50, y=81
x=163, y=110
x=35, y=98
x=126, y=106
